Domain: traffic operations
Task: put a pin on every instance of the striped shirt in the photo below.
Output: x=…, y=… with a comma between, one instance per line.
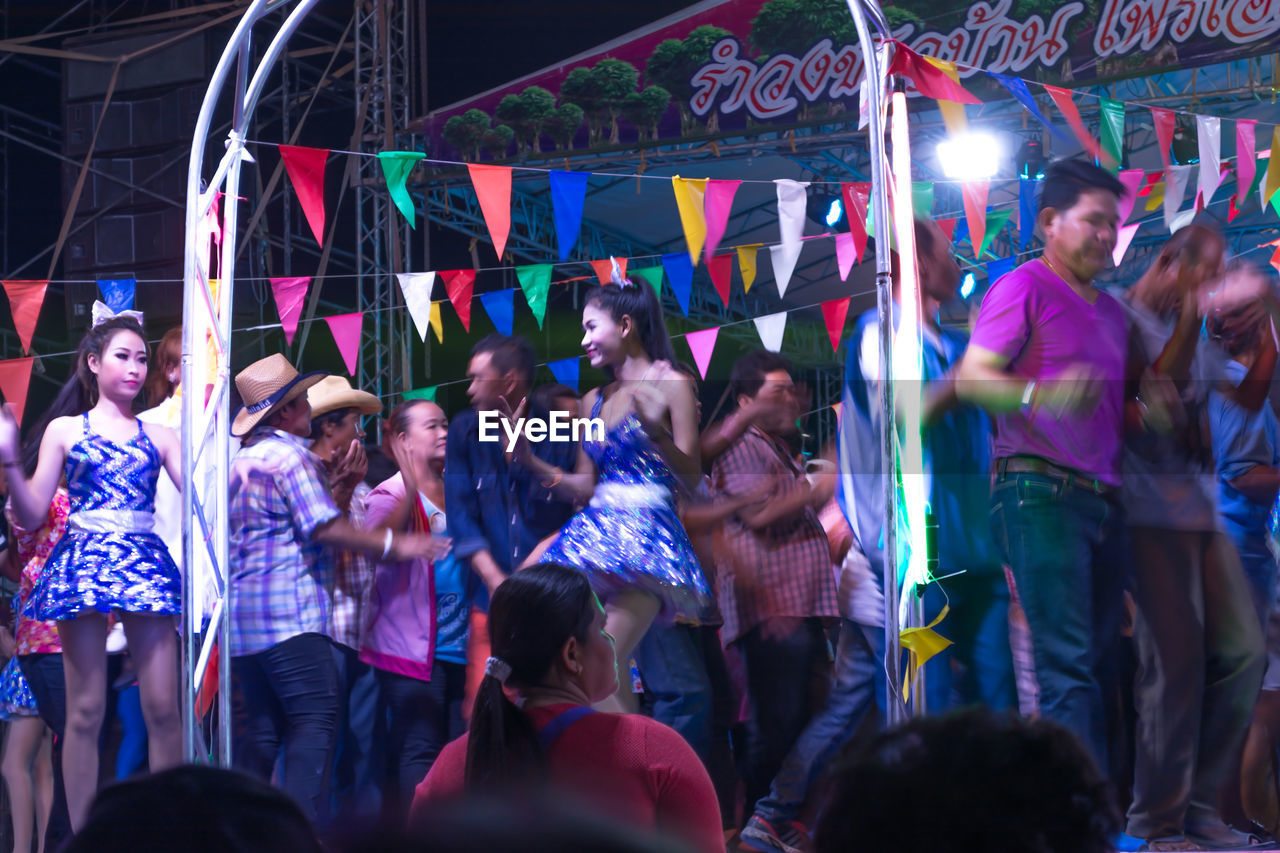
x=281, y=580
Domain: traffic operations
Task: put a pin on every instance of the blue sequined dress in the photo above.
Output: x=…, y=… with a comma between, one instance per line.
x=109, y=558
x=628, y=536
x=16, y=699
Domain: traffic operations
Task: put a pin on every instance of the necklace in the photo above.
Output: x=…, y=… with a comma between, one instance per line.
x=1052, y=268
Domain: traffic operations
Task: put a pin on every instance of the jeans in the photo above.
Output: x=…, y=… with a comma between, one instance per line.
x=357, y=764
x=978, y=627
x=675, y=679
x=132, y=754
x=859, y=684
x=424, y=716
x=1069, y=553
x=288, y=696
x=788, y=669
x=48, y=685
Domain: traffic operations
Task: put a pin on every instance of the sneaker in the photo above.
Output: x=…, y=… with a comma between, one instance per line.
x=761, y=835
x=1216, y=835
x=1180, y=842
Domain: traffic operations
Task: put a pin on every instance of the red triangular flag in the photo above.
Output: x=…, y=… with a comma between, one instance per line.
x=948, y=227
x=975, y=211
x=604, y=269
x=493, y=189
x=290, y=293
x=346, y=334
x=834, y=313
x=1062, y=98
x=702, y=344
x=25, y=299
x=15, y=378
x=930, y=80
x=1164, y=121
x=1232, y=210
x=855, y=210
x=459, y=284
x=305, y=167
x=721, y=269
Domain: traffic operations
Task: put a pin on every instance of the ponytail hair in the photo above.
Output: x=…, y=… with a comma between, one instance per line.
x=640, y=303
x=532, y=615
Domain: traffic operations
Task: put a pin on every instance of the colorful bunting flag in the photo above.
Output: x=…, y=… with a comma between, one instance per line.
x=1113, y=132
x=568, y=196
x=1132, y=179
x=679, y=269
x=702, y=344
x=459, y=284
x=290, y=293
x=1246, y=157
x=416, y=287
x=500, y=306
x=717, y=204
x=1209, y=143
x=1175, y=185
x=947, y=227
x=844, y=254
x=747, y=264
x=721, y=269
x=770, y=328
x=346, y=334
x=975, y=210
x=437, y=322
x=118, y=293
x=784, y=259
x=922, y=198
x=1163, y=121
x=855, y=197
x=653, y=275
x=565, y=371
x=689, y=195
x=25, y=299
x=952, y=113
x=792, y=204
x=998, y=268
x=603, y=268
x=428, y=393
x=1062, y=98
x=305, y=168
x=834, y=313
x=1273, y=171
x=15, y=379
x=929, y=80
x=996, y=220
x=1123, y=238
x=396, y=166
x=1018, y=88
x=493, y=190
x=535, y=281
x=1027, y=189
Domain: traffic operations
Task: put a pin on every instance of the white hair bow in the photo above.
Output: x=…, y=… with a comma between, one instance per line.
x=102, y=313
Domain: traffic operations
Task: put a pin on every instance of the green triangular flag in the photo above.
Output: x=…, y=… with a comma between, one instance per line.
x=428, y=393
x=396, y=166
x=996, y=220
x=1275, y=202
x=535, y=281
x=922, y=198
x=653, y=275
x=1113, y=132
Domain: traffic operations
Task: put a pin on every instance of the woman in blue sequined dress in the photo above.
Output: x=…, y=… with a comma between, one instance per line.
x=628, y=539
x=108, y=559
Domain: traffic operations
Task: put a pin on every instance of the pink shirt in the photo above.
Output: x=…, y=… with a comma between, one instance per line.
x=1033, y=318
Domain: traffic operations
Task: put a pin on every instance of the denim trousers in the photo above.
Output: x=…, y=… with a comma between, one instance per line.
x=288, y=697
x=423, y=717
x=676, y=684
x=358, y=757
x=1068, y=549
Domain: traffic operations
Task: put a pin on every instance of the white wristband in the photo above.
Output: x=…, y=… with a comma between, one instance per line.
x=1028, y=393
x=386, y=543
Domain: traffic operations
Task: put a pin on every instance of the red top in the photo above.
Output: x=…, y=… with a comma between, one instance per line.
x=632, y=768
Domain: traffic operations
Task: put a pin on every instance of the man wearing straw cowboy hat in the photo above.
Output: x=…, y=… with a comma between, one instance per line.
x=285, y=527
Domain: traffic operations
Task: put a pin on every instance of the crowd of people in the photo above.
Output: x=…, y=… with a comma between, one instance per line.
x=677, y=624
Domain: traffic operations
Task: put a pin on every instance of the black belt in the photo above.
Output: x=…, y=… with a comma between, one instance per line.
x=1036, y=465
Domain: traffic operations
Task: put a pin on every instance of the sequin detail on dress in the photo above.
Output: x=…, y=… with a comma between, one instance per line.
x=629, y=536
x=108, y=570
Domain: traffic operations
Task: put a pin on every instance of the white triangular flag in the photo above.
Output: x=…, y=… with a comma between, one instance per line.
x=1175, y=187
x=792, y=201
x=1209, y=138
x=770, y=328
x=784, y=257
x=417, y=298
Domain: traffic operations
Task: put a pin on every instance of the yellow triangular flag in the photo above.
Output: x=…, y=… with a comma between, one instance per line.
x=952, y=112
x=747, y=264
x=1156, y=199
x=689, y=195
x=437, y=324
x=1273, y=175
x=921, y=645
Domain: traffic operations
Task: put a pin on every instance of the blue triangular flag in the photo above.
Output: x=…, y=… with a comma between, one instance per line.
x=500, y=306
x=1018, y=88
x=568, y=194
x=1027, y=210
x=961, y=231
x=566, y=371
x=680, y=270
x=118, y=293
x=997, y=268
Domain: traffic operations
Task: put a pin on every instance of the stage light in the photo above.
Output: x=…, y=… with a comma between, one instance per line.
x=835, y=212
x=825, y=208
x=1031, y=159
x=971, y=156
x=967, y=284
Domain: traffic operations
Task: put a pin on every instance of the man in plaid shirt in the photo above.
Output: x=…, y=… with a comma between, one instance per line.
x=285, y=679
x=774, y=580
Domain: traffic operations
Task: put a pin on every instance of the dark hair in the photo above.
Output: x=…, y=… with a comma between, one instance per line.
x=640, y=303
x=168, y=356
x=1188, y=243
x=543, y=398
x=194, y=809
x=1065, y=180
x=400, y=414
x=1014, y=785
x=335, y=417
x=748, y=372
x=79, y=393
x=508, y=353
x=532, y=615
x=925, y=239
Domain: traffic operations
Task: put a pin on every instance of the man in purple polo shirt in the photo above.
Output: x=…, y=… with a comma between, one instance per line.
x=1048, y=360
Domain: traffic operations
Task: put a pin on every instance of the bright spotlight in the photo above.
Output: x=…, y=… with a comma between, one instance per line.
x=967, y=284
x=834, y=212
x=970, y=156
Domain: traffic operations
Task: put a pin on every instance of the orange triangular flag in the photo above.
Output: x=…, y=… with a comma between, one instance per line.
x=305, y=167
x=721, y=269
x=346, y=334
x=15, y=378
x=834, y=313
x=493, y=189
x=25, y=299
x=975, y=211
x=459, y=284
x=604, y=268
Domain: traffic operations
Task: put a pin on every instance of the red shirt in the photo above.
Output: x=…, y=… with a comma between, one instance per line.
x=632, y=768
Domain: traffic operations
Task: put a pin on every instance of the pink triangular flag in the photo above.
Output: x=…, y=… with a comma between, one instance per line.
x=838, y=408
x=290, y=293
x=702, y=344
x=717, y=202
x=1164, y=121
x=1132, y=180
x=604, y=268
x=948, y=227
x=25, y=299
x=721, y=269
x=15, y=379
x=493, y=189
x=459, y=285
x=1123, y=238
x=1246, y=158
x=834, y=314
x=305, y=167
x=346, y=334
x=975, y=211
x=844, y=254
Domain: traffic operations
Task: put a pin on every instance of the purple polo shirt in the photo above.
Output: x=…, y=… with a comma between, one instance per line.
x=1033, y=318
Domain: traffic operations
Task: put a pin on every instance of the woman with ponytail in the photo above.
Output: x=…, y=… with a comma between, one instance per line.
x=628, y=539
x=553, y=656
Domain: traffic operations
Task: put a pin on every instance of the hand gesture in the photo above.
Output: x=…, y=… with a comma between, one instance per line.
x=1075, y=391
x=394, y=447
x=243, y=468
x=9, y=434
x=1164, y=409
x=649, y=399
x=412, y=546
x=349, y=467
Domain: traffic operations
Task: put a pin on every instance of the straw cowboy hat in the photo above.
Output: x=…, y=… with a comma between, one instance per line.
x=265, y=386
x=335, y=392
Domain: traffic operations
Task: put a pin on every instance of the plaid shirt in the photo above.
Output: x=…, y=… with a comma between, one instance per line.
x=281, y=580
x=354, y=580
x=782, y=569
